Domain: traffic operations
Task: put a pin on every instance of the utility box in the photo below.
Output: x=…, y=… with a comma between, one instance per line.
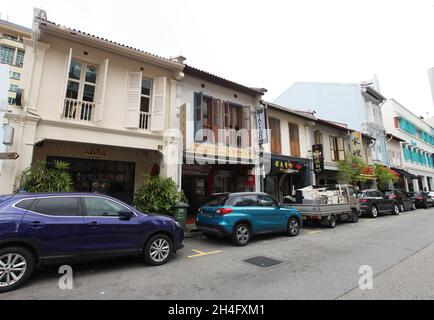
x=181, y=212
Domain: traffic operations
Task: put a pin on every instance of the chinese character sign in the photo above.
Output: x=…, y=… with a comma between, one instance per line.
x=318, y=158
x=356, y=144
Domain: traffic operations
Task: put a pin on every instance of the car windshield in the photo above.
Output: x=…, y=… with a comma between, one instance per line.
x=217, y=200
x=388, y=193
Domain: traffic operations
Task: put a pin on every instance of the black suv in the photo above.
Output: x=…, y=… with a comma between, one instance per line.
x=374, y=202
x=402, y=199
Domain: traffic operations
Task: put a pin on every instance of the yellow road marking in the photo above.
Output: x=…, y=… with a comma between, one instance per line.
x=313, y=232
x=202, y=254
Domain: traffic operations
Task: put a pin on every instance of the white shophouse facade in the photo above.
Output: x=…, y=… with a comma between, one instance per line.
x=103, y=107
x=416, y=139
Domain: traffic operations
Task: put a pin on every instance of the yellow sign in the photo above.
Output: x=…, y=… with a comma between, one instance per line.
x=357, y=144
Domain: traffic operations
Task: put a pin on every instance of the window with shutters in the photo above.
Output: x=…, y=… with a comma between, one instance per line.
x=276, y=146
x=145, y=104
x=80, y=91
x=337, y=148
x=221, y=117
x=294, y=139
x=318, y=137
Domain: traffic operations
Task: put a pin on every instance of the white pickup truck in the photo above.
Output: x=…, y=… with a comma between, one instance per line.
x=344, y=206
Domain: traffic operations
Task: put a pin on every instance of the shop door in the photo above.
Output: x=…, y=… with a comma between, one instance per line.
x=113, y=178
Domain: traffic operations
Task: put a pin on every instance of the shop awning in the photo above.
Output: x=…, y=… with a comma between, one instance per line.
x=404, y=173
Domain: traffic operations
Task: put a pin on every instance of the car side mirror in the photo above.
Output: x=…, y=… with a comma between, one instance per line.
x=126, y=214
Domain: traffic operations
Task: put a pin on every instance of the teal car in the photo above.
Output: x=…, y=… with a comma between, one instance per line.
x=243, y=215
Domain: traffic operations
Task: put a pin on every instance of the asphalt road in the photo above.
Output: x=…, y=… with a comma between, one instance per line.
x=319, y=264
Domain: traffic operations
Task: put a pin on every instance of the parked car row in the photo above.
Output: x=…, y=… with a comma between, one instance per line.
x=38, y=230
x=375, y=202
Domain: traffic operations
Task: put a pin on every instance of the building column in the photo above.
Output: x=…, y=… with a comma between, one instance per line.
x=425, y=183
x=407, y=189
x=431, y=183
x=415, y=185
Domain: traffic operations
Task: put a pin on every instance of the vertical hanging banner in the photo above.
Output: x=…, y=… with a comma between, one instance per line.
x=318, y=158
x=356, y=144
x=261, y=125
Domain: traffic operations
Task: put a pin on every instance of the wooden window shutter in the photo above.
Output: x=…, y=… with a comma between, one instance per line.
x=341, y=148
x=333, y=148
x=294, y=139
x=132, y=103
x=218, y=120
x=100, y=91
x=158, y=104
x=247, y=122
x=198, y=121
x=275, y=136
x=65, y=81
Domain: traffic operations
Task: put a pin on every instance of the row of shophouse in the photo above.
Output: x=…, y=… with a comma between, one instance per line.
x=117, y=114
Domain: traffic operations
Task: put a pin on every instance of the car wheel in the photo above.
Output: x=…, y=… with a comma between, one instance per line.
x=16, y=267
x=158, y=250
x=241, y=235
x=332, y=222
x=374, y=212
x=425, y=205
x=354, y=217
x=293, y=227
x=401, y=207
x=396, y=210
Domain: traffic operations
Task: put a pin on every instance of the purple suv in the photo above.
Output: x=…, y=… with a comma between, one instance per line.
x=63, y=228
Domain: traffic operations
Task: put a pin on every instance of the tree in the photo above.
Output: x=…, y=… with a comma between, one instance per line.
x=385, y=175
x=40, y=178
x=158, y=195
x=353, y=170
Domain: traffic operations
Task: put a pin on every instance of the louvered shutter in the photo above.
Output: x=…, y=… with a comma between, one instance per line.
x=198, y=122
x=218, y=120
x=65, y=81
x=247, y=122
x=100, y=91
x=158, y=104
x=132, y=103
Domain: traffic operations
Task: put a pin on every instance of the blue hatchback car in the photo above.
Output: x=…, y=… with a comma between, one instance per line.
x=242, y=215
x=44, y=229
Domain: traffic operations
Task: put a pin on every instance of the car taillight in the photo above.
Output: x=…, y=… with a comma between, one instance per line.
x=364, y=201
x=224, y=211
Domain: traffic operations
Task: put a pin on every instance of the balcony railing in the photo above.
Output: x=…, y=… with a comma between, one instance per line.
x=76, y=110
x=145, y=121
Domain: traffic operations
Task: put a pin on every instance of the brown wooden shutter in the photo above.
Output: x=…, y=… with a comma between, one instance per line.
x=276, y=146
x=294, y=140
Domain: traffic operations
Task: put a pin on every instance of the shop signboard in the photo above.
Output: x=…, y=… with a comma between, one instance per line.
x=356, y=144
x=287, y=166
x=318, y=158
x=261, y=125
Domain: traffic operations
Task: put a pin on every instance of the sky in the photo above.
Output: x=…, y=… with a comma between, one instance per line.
x=273, y=43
